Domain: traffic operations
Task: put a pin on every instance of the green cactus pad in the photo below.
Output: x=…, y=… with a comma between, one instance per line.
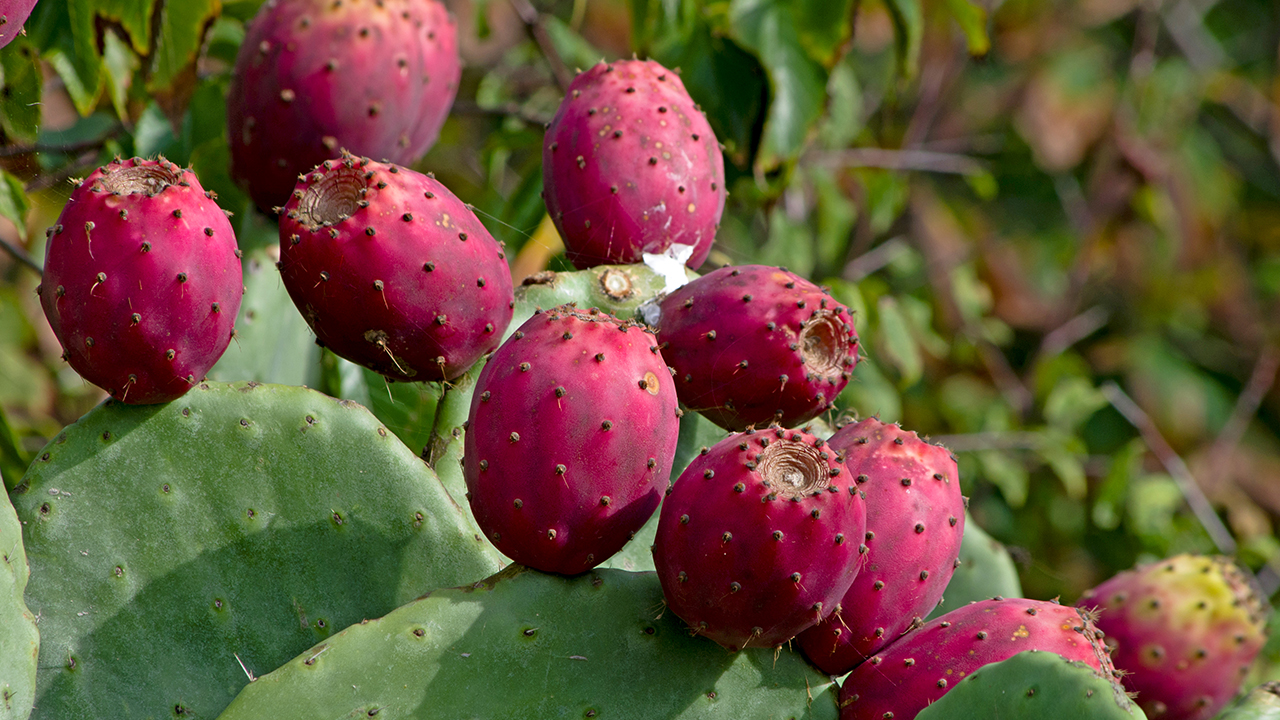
x=1034, y=685
x=525, y=644
x=19, y=640
x=273, y=343
x=1261, y=704
x=619, y=290
x=241, y=523
x=986, y=570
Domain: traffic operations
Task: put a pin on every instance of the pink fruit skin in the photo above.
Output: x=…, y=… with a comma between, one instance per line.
x=142, y=280
x=13, y=14
x=630, y=166
x=754, y=344
x=570, y=439
x=759, y=538
x=315, y=77
x=915, y=521
x=393, y=271
x=903, y=678
x=1185, y=632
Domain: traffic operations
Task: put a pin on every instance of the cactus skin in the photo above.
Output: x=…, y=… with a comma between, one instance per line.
x=14, y=14
x=524, y=644
x=631, y=166
x=1035, y=685
x=755, y=344
x=986, y=570
x=760, y=538
x=392, y=271
x=915, y=523
x=314, y=77
x=19, y=638
x=1184, y=631
x=249, y=520
x=922, y=665
x=1262, y=703
x=619, y=290
x=570, y=439
x=142, y=280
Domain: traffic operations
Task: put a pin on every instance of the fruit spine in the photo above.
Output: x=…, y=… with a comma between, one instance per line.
x=760, y=538
x=755, y=344
x=630, y=166
x=314, y=77
x=392, y=271
x=1184, y=631
x=570, y=439
x=142, y=280
x=915, y=523
x=909, y=674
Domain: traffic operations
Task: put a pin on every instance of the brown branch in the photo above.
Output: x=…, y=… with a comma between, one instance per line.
x=21, y=256
x=469, y=107
x=1176, y=467
x=1255, y=391
x=921, y=160
x=1071, y=332
x=534, y=26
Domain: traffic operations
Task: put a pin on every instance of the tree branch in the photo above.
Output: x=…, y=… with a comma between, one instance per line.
x=534, y=26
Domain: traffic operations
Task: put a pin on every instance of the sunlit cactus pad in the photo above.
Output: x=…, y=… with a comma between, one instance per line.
x=525, y=644
x=19, y=640
x=172, y=544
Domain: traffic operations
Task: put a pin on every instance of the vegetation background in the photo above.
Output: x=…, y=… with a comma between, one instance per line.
x=1058, y=222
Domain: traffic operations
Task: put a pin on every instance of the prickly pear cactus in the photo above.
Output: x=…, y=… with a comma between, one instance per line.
x=1035, y=685
x=19, y=639
x=1263, y=703
x=177, y=548
x=525, y=644
x=619, y=290
x=986, y=570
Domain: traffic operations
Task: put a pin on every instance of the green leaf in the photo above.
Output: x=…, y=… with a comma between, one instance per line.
x=1007, y=474
x=1063, y=455
x=972, y=19
x=14, y=204
x=183, y=26
x=797, y=82
x=21, y=81
x=896, y=343
x=843, y=120
x=120, y=63
x=824, y=27
x=790, y=244
x=908, y=25
x=1072, y=402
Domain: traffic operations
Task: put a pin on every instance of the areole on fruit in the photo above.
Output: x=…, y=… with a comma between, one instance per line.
x=331, y=198
x=823, y=345
x=794, y=470
x=148, y=179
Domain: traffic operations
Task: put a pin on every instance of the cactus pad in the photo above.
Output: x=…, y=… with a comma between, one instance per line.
x=525, y=644
x=242, y=524
x=19, y=639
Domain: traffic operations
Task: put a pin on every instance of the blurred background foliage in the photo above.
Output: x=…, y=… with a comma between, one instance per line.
x=1058, y=222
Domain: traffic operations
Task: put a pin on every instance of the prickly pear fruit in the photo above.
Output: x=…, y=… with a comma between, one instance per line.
x=142, y=280
x=392, y=271
x=903, y=678
x=755, y=344
x=760, y=538
x=570, y=439
x=630, y=166
x=915, y=523
x=314, y=77
x=1184, y=631
x=13, y=13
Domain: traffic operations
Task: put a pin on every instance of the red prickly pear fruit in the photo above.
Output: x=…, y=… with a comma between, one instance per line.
x=760, y=538
x=392, y=271
x=13, y=13
x=142, y=280
x=570, y=440
x=1184, y=632
x=915, y=522
x=630, y=166
x=920, y=667
x=755, y=344
x=315, y=77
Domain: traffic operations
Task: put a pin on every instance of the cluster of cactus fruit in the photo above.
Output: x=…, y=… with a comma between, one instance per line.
x=554, y=446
